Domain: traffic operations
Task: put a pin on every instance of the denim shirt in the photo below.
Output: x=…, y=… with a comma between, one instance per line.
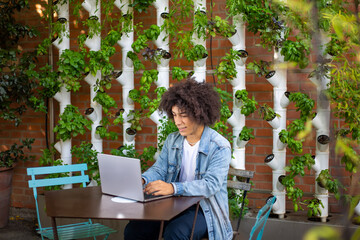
x=212, y=165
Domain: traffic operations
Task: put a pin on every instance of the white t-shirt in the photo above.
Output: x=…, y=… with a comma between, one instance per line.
x=188, y=163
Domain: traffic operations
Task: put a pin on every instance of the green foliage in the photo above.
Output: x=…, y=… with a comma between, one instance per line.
x=246, y=134
x=147, y=79
x=226, y=68
x=296, y=51
x=140, y=43
x=303, y=103
x=200, y=24
x=292, y=143
x=178, y=73
x=46, y=159
x=86, y=154
x=141, y=5
x=235, y=201
x=325, y=180
x=71, y=123
x=100, y=60
x=196, y=53
x=261, y=68
x=136, y=61
x=105, y=101
x=152, y=33
x=16, y=153
x=221, y=27
x=248, y=106
x=314, y=207
x=165, y=129
x=71, y=69
x=267, y=113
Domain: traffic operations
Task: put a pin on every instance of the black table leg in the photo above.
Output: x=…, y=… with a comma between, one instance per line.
x=161, y=230
x=193, y=227
x=53, y=223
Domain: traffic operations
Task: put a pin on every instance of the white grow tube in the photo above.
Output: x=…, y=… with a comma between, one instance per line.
x=200, y=65
x=126, y=79
x=94, y=43
x=277, y=163
x=63, y=96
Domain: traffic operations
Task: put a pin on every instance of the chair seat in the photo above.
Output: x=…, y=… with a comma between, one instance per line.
x=77, y=230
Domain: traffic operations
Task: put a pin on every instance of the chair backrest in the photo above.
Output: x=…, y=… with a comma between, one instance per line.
x=262, y=217
x=45, y=182
x=241, y=181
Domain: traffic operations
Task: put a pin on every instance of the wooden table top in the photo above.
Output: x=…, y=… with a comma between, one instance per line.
x=91, y=203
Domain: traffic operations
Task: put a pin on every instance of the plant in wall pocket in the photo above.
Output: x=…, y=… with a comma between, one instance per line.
x=247, y=105
x=244, y=136
x=71, y=123
x=267, y=113
x=261, y=68
x=221, y=27
x=196, y=53
x=227, y=67
x=8, y=160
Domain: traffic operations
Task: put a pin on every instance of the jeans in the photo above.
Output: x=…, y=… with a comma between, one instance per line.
x=177, y=228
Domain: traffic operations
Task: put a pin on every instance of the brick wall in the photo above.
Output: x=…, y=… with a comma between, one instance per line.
x=256, y=150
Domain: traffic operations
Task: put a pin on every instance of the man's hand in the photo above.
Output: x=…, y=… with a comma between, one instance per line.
x=159, y=188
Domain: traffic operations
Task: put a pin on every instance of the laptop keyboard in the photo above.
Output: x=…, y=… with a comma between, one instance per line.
x=149, y=196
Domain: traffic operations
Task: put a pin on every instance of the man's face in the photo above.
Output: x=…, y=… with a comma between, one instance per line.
x=183, y=122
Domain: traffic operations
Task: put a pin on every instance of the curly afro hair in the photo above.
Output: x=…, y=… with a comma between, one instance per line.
x=198, y=99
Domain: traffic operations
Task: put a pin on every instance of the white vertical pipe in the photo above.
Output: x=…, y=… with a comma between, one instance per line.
x=63, y=96
x=94, y=43
x=126, y=79
x=321, y=123
x=237, y=120
x=200, y=65
x=357, y=209
x=279, y=81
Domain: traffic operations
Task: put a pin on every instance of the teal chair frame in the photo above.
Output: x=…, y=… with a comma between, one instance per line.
x=262, y=217
x=70, y=231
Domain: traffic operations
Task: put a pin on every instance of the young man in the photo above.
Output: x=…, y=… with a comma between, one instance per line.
x=194, y=161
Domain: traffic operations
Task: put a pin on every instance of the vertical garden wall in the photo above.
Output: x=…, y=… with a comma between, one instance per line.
x=106, y=64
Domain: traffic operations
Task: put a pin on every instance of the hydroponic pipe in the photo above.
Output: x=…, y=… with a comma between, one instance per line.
x=357, y=209
x=94, y=43
x=321, y=122
x=126, y=79
x=62, y=42
x=199, y=65
x=277, y=159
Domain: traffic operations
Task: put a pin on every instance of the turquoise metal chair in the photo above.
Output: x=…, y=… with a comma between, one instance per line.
x=71, y=231
x=262, y=217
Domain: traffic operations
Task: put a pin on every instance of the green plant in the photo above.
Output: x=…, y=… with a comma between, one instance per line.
x=325, y=180
x=200, y=24
x=86, y=154
x=140, y=43
x=136, y=61
x=296, y=51
x=303, y=103
x=246, y=134
x=221, y=27
x=196, y=53
x=226, y=68
x=235, y=201
x=267, y=113
x=141, y=5
x=261, y=68
x=71, y=123
x=147, y=79
x=178, y=73
x=165, y=129
x=287, y=138
x=16, y=87
x=46, y=159
x=105, y=101
x=248, y=105
x=16, y=153
x=152, y=33
x=71, y=69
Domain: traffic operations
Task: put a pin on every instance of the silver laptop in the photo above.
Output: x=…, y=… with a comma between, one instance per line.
x=121, y=176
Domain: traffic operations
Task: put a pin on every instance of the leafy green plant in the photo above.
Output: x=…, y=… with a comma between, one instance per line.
x=152, y=33
x=147, y=79
x=261, y=68
x=196, y=53
x=200, y=24
x=100, y=60
x=235, y=201
x=141, y=5
x=325, y=180
x=248, y=105
x=296, y=51
x=286, y=137
x=71, y=68
x=105, y=101
x=136, y=61
x=165, y=129
x=267, y=113
x=16, y=153
x=86, y=154
x=140, y=43
x=221, y=27
x=178, y=73
x=303, y=103
x=246, y=134
x=71, y=123
x=226, y=68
